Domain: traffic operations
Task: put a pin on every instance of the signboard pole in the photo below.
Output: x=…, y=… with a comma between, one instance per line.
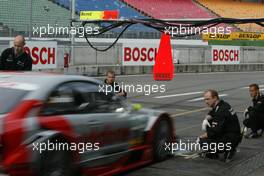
x=30, y=20
x=72, y=35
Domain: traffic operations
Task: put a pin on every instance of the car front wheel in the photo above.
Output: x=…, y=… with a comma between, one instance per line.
x=162, y=136
x=56, y=163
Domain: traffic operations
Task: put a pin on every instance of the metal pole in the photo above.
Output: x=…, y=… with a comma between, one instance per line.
x=30, y=20
x=189, y=58
x=72, y=35
x=205, y=59
x=54, y=36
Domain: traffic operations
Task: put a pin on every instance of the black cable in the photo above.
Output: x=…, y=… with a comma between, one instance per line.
x=160, y=25
x=110, y=46
x=107, y=28
x=262, y=25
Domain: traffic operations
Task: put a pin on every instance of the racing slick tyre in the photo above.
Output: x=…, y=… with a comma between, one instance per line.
x=162, y=135
x=56, y=163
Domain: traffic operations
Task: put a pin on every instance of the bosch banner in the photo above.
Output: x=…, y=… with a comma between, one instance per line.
x=225, y=54
x=139, y=54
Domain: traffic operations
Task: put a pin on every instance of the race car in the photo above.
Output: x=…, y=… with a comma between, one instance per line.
x=62, y=125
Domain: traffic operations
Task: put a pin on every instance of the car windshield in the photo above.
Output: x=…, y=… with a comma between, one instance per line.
x=10, y=98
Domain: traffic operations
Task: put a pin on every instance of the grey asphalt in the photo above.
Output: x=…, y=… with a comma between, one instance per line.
x=188, y=115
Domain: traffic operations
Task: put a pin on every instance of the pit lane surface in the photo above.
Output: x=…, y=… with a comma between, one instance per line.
x=183, y=100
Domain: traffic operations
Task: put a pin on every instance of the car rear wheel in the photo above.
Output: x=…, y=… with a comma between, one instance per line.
x=56, y=163
x=162, y=136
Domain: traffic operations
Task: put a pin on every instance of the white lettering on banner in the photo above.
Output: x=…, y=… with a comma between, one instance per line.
x=44, y=54
x=225, y=54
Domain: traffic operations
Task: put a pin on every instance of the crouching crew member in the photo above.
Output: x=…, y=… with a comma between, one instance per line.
x=221, y=127
x=255, y=113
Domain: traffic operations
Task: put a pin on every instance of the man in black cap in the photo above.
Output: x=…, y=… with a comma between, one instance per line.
x=15, y=58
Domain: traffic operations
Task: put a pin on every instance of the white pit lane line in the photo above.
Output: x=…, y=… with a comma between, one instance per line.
x=178, y=95
x=189, y=112
x=260, y=86
x=202, y=98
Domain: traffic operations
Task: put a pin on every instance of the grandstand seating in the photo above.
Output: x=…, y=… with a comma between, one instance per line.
x=237, y=9
x=15, y=14
x=44, y=12
x=174, y=9
x=170, y=9
x=124, y=10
